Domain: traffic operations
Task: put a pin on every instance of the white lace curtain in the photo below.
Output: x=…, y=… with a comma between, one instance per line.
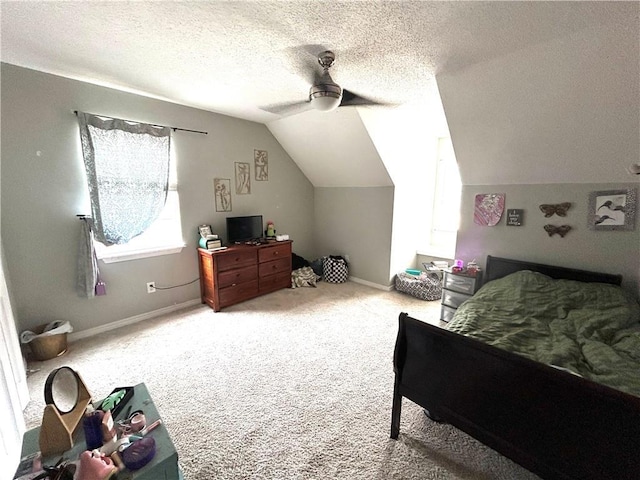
x=127, y=166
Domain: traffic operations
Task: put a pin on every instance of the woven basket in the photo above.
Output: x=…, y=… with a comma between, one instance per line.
x=46, y=348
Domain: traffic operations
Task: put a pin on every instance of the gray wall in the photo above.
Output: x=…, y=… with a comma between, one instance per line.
x=543, y=125
x=615, y=252
x=356, y=222
x=43, y=188
x=562, y=111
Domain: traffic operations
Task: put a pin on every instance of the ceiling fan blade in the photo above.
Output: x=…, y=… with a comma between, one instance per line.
x=288, y=108
x=350, y=99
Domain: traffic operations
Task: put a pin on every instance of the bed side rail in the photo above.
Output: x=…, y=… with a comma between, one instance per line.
x=554, y=423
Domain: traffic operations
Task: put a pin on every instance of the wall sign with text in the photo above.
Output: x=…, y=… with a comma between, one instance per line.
x=515, y=217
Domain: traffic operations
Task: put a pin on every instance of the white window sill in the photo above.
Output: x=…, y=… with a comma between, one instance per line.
x=439, y=252
x=140, y=253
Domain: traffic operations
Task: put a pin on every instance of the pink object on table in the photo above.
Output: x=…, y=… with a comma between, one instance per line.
x=95, y=466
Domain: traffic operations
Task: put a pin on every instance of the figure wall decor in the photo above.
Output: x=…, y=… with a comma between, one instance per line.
x=243, y=178
x=222, y=191
x=261, y=163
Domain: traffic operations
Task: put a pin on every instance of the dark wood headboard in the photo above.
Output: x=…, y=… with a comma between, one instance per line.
x=497, y=267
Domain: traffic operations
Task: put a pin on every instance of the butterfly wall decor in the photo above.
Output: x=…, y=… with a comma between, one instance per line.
x=559, y=209
x=561, y=230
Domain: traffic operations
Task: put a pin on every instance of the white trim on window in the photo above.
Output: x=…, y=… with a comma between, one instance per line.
x=141, y=253
x=445, y=213
x=447, y=253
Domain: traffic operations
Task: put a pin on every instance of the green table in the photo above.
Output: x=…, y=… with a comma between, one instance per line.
x=163, y=466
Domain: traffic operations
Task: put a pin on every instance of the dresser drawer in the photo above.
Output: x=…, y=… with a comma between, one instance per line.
x=460, y=283
x=446, y=313
x=453, y=299
x=273, y=252
x=237, y=275
x=235, y=259
x=276, y=266
x=237, y=293
x=275, y=282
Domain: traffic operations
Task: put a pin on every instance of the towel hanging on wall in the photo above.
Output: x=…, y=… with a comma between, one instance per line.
x=88, y=281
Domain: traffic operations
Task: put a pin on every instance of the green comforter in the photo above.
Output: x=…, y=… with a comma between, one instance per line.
x=592, y=329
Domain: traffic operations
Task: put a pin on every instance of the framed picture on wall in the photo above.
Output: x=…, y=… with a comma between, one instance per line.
x=612, y=210
x=243, y=178
x=488, y=209
x=261, y=164
x=515, y=217
x=222, y=192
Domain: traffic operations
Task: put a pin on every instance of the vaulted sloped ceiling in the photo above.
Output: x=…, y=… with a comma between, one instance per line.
x=563, y=111
x=332, y=149
x=533, y=91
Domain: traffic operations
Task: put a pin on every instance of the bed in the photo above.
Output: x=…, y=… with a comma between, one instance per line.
x=552, y=420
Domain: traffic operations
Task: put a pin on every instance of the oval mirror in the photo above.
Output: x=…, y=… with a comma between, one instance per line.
x=62, y=389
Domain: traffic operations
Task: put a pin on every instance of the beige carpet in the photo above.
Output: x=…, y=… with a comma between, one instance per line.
x=293, y=385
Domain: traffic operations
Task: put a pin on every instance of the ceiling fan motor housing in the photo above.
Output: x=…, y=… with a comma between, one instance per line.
x=325, y=87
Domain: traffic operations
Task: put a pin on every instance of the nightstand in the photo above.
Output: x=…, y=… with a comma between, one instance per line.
x=456, y=288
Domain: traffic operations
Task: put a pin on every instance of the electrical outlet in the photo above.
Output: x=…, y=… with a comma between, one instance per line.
x=151, y=287
x=346, y=257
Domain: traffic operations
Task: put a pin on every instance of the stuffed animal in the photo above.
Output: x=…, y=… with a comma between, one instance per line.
x=271, y=231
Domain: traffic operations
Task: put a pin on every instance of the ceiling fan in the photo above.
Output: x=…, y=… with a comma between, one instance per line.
x=324, y=95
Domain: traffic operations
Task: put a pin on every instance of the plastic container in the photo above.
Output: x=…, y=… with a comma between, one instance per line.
x=47, y=347
x=91, y=424
x=412, y=271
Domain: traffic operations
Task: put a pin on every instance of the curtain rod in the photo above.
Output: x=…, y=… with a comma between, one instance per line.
x=133, y=121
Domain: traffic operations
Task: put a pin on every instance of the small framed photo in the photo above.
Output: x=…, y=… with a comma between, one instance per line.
x=205, y=230
x=612, y=210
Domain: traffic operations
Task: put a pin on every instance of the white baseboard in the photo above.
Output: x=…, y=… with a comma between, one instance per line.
x=131, y=320
x=386, y=288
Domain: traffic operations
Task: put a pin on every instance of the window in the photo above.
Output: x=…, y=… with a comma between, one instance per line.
x=132, y=179
x=445, y=217
x=163, y=237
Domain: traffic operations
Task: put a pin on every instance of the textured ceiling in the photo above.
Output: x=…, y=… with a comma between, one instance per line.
x=235, y=57
x=511, y=74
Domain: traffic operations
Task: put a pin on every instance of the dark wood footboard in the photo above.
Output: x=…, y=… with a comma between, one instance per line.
x=558, y=425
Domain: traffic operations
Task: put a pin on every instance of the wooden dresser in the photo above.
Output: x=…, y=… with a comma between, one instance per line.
x=241, y=272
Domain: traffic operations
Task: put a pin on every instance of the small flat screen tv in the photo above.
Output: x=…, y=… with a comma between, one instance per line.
x=244, y=229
